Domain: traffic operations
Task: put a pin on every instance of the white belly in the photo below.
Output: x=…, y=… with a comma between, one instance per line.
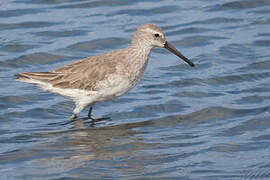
x=112, y=87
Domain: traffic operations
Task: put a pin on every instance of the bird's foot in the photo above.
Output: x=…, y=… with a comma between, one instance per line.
x=98, y=119
x=73, y=116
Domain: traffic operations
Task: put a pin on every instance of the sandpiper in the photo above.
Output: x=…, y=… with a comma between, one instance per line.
x=106, y=76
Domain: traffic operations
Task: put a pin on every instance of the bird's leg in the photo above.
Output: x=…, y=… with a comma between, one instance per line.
x=89, y=115
x=73, y=116
x=94, y=119
x=79, y=107
x=89, y=112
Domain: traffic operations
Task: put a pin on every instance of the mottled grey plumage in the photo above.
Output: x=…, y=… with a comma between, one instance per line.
x=104, y=76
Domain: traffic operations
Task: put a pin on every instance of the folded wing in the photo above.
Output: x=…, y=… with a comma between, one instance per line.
x=82, y=74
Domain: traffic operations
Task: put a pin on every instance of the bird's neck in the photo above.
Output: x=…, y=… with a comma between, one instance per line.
x=141, y=51
x=138, y=60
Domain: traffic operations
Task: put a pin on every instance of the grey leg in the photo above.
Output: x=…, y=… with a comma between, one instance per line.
x=89, y=112
x=94, y=119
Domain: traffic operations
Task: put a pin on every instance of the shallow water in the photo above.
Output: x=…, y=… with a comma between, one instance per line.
x=207, y=122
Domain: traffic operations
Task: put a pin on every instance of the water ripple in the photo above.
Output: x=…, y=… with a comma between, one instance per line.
x=206, y=122
x=32, y=59
x=29, y=24
x=240, y=5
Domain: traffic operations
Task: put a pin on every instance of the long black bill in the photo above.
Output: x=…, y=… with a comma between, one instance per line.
x=177, y=53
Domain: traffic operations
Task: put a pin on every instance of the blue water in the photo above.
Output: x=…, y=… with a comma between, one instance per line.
x=207, y=122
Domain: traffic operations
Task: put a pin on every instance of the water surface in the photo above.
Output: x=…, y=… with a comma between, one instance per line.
x=207, y=122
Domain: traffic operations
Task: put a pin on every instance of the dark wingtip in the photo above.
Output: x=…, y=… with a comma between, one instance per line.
x=17, y=76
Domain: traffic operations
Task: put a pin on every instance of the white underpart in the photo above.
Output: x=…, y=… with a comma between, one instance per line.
x=113, y=86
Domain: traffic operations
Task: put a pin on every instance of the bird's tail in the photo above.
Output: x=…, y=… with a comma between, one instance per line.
x=22, y=77
x=34, y=77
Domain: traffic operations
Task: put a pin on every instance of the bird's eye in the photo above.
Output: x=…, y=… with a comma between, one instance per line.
x=157, y=35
